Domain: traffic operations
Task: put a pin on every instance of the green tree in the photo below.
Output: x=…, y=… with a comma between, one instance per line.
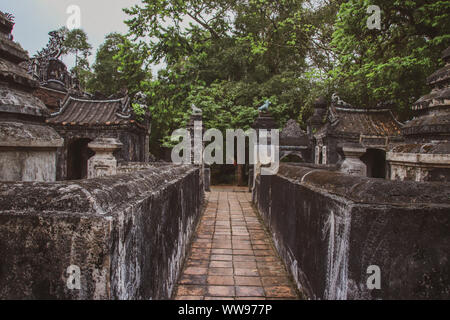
x=63, y=42
x=118, y=65
x=228, y=59
x=394, y=62
x=76, y=42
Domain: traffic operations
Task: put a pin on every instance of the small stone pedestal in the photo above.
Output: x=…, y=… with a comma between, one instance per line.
x=103, y=163
x=352, y=164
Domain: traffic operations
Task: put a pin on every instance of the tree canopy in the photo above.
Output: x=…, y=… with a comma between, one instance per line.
x=111, y=74
x=229, y=56
x=63, y=42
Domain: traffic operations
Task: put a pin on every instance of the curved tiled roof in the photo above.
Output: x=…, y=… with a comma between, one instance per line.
x=372, y=122
x=81, y=112
x=368, y=122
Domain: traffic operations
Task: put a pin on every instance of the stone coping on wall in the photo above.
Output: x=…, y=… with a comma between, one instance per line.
x=437, y=160
x=331, y=228
x=368, y=190
x=127, y=234
x=99, y=196
x=28, y=135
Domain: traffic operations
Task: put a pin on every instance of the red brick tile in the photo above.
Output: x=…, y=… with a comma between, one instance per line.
x=279, y=292
x=232, y=255
x=245, y=272
x=195, y=270
x=200, y=256
x=261, y=247
x=221, y=271
x=222, y=245
x=263, y=252
x=220, y=291
x=247, y=281
x=243, y=252
x=221, y=264
x=271, y=272
x=219, y=298
x=220, y=280
x=245, y=264
x=191, y=290
x=275, y=281
x=246, y=291
x=243, y=258
x=221, y=257
x=222, y=251
x=192, y=279
x=266, y=258
x=269, y=264
x=201, y=240
x=197, y=263
x=189, y=298
x=242, y=246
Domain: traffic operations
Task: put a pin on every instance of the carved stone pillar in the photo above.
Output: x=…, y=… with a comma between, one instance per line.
x=352, y=163
x=103, y=163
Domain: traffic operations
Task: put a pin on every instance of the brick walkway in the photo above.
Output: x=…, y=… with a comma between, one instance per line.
x=232, y=256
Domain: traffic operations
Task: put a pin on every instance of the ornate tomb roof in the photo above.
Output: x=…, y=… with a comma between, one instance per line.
x=94, y=113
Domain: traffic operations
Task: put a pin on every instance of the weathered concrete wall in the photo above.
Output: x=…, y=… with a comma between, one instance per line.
x=27, y=164
x=128, y=234
x=330, y=227
x=420, y=166
x=28, y=151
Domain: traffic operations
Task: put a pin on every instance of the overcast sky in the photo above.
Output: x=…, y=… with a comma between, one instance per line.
x=36, y=18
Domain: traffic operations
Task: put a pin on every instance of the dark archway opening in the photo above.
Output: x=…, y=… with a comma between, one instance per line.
x=375, y=160
x=292, y=158
x=77, y=157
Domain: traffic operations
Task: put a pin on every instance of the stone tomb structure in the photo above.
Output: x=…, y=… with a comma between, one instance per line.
x=425, y=155
x=27, y=145
x=55, y=81
x=294, y=143
x=81, y=121
x=342, y=130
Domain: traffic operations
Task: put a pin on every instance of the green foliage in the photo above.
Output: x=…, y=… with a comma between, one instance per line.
x=228, y=60
x=394, y=62
x=118, y=65
x=228, y=56
x=76, y=42
x=63, y=42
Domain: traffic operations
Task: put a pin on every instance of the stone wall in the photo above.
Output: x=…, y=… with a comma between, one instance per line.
x=330, y=227
x=127, y=233
x=126, y=167
x=420, y=162
x=28, y=152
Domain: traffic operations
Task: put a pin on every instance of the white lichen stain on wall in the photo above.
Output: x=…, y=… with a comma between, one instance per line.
x=180, y=251
x=337, y=229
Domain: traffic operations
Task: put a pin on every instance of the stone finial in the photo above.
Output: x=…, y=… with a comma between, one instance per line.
x=265, y=106
x=103, y=163
x=337, y=101
x=196, y=111
x=352, y=164
x=6, y=24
